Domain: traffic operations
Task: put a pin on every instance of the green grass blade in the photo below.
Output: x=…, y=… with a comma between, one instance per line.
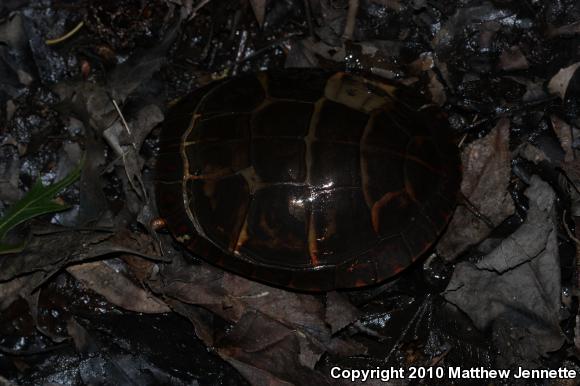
x=38, y=201
x=6, y=249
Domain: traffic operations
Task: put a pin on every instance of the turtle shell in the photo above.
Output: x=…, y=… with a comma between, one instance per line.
x=307, y=179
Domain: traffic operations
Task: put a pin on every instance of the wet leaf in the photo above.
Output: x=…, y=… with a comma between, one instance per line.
x=516, y=288
x=49, y=252
x=267, y=352
x=486, y=173
x=38, y=201
x=141, y=66
x=117, y=288
x=339, y=311
x=231, y=296
x=278, y=334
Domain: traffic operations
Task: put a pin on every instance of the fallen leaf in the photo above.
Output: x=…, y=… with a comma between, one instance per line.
x=532, y=153
x=513, y=59
x=300, y=56
x=486, y=174
x=141, y=66
x=324, y=50
x=84, y=344
x=117, y=288
x=93, y=202
x=127, y=140
x=564, y=133
x=559, y=82
x=515, y=289
x=231, y=296
x=436, y=89
x=259, y=8
x=339, y=311
x=565, y=30
x=53, y=248
x=11, y=290
x=277, y=335
x=9, y=174
x=267, y=352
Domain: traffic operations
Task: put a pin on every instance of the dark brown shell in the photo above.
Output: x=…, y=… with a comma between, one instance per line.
x=307, y=179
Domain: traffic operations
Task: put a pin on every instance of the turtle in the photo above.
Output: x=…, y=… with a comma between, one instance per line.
x=307, y=179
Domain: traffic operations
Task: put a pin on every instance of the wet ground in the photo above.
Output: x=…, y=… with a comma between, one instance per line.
x=90, y=293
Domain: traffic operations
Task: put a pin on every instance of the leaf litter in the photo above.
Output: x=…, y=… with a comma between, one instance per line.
x=516, y=288
x=492, y=66
x=486, y=166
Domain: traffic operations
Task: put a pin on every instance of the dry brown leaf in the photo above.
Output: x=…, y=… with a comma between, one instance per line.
x=532, y=153
x=513, y=59
x=231, y=296
x=564, y=133
x=565, y=30
x=53, y=247
x=117, y=288
x=486, y=173
x=278, y=336
x=559, y=82
x=436, y=89
x=259, y=8
x=324, y=50
x=267, y=352
x=80, y=336
x=11, y=290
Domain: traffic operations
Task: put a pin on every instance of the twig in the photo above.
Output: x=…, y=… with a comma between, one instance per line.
x=462, y=141
x=240, y=52
x=124, y=153
x=350, y=19
x=568, y=231
x=272, y=45
x=199, y=6
x=122, y=118
x=309, y=18
x=51, y=42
